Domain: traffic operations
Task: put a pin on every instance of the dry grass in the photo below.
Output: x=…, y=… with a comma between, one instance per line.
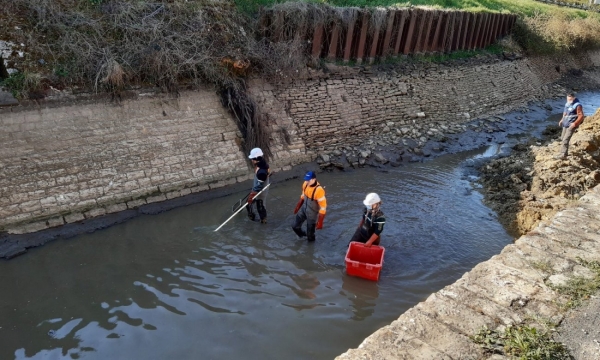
x=565, y=32
x=111, y=45
x=118, y=43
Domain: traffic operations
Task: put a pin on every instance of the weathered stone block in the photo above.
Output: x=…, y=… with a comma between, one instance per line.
x=54, y=222
x=116, y=208
x=74, y=217
x=134, y=204
x=153, y=199
x=94, y=213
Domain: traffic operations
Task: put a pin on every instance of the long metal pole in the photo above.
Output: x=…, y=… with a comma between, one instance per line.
x=240, y=209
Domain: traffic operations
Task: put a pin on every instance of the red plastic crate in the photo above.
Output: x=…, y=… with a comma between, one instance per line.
x=364, y=262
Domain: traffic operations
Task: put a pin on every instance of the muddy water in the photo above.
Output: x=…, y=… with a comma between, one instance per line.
x=168, y=287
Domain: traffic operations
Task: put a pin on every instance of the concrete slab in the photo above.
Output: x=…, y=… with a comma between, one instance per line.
x=415, y=324
x=454, y=315
x=6, y=99
x=391, y=344
x=480, y=303
x=505, y=286
x=556, y=248
x=512, y=257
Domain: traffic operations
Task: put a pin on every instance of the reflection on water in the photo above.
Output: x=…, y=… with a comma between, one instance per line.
x=168, y=286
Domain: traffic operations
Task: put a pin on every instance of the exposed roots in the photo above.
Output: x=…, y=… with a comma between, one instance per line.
x=251, y=123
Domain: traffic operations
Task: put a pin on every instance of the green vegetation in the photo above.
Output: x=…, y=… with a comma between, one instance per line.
x=542, y=265
x=579, y=289
x=522, y=342
x=109, y=45
x=521, y=7
x=20, y=84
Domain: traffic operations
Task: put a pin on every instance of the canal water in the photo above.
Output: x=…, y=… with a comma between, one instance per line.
x=167, y=286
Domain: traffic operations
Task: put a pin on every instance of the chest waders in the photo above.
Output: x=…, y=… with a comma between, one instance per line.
x=364, y=232
x=309, y=212
x=259, y=201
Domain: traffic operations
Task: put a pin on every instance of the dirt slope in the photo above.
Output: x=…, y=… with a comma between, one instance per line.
x=530, y=186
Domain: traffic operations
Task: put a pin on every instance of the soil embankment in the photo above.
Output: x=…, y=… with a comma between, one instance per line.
x=530, y=185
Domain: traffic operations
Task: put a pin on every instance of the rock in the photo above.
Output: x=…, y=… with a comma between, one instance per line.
x=325, y=158
x=411, y=158
x=380, y=158
x=418, y=151
x=595, y=175
x=336, y=152
x=365, y=154
x=589, y=146
x=420, y=114
x=365, y=101
x=395, y=164
x=6, y=99
x=558, y=280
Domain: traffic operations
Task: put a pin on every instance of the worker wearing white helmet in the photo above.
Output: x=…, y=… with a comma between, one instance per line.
x=261, y=179
x=372, y=222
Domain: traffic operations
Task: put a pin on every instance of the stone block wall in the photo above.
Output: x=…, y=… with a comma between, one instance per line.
x=63, y=163
x=67, y=161
x=343, y=107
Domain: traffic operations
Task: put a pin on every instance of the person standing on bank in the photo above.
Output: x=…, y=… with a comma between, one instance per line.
x=571, y=119
x=372, y=222
x=261, y=179
x=311, y=207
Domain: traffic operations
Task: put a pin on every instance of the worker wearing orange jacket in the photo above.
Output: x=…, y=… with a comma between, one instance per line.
x=311, y=207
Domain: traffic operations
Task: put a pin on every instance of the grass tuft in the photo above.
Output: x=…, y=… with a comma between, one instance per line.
x=22, y=84
x=522, y=342
x=579, y=289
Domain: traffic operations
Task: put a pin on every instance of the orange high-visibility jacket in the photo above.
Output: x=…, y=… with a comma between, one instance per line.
x=315, y=193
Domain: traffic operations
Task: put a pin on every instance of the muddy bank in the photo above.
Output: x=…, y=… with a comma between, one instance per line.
x=530, y=185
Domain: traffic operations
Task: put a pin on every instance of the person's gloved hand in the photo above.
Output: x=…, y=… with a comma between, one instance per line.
x=251, y=197
x=371, y=240
x=320, y=221
x=298, y=205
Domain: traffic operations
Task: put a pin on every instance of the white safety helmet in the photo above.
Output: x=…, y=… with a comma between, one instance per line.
x=371, y=199
x=254, y=153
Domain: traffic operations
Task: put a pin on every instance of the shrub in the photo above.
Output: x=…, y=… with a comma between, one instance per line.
x=21, y=84
x=542, y=33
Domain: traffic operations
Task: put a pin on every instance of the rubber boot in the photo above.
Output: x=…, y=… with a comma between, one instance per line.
x=251, y=214
x=310, y=232
x=262, y=211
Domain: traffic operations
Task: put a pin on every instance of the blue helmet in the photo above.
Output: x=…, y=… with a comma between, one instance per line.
x=309, y=176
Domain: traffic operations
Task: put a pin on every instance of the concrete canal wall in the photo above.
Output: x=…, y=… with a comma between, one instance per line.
x=65, y=161
x=505, y=290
